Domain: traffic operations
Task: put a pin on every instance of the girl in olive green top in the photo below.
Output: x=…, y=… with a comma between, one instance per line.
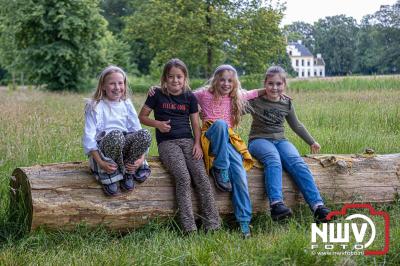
x=267, y=143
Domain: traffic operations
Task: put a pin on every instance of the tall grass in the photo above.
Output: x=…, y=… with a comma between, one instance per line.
x=350, y=83
x=356, y=83
x=40, y=127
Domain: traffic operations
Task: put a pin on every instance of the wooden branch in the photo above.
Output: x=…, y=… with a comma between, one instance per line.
x=63, y=195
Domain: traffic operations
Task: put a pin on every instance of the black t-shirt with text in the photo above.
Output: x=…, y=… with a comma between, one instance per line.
x=175, y=108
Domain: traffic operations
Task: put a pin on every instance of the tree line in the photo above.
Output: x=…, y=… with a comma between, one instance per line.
x=371, y=47
x=61, y=44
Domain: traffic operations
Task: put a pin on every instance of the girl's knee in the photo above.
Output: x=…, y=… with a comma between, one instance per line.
x=144, y=137
x=144, y=133
x=264, y=151
x=114, y=140
x=220, y=124
x=295, y=161
x=271, y=159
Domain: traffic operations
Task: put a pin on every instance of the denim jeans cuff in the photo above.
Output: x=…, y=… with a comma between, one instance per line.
x=315, y=205
x=272, y=202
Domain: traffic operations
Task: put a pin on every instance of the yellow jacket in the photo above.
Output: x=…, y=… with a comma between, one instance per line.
x=235, y=140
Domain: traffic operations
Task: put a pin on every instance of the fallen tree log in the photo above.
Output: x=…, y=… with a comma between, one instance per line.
x=63, y=195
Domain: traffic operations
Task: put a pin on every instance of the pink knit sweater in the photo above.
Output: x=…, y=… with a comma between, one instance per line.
x=213, y=110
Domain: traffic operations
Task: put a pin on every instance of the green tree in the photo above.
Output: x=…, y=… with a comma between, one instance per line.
x=114, y=12
x=335, y=38
x=300, y=31
x=388, y=27
x=142, y=54
x=378, y=41
x=116, y=51
x=259, y=39
x=3, y=73
x=204, y=33
x=8, y=52
x=184, y=29
x=56, y=43
x=368, y=49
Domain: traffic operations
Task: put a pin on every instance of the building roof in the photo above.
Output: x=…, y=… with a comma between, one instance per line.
x=301, y=48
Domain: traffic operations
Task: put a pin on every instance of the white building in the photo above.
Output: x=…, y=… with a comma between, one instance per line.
x=304, y=62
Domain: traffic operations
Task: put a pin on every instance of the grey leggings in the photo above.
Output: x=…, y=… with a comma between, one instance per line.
x=176, y=156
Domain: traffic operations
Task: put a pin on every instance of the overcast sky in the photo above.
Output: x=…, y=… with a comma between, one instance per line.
x=311, y=10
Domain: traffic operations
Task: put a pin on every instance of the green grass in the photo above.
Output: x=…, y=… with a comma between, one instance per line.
x=355, y=83
x=41, y=127
x=350, y=83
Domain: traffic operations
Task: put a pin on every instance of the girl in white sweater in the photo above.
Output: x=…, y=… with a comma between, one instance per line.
x=113, y=138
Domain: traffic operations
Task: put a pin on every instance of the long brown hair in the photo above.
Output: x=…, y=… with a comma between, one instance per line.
x=238, y=104
x=175, y=62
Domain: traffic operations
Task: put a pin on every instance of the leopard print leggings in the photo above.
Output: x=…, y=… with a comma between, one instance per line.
x=125, y=148
x=176, y=156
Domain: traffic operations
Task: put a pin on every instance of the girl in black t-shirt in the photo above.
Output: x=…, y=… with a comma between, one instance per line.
x=176, y=116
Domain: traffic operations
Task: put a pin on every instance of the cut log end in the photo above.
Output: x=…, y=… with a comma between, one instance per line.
x=20, y=196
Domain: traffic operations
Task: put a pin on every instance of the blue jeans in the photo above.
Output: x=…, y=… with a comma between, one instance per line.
x=226, y=157
x=275, y=154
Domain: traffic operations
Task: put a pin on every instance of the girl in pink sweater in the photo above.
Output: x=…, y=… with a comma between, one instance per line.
x=226, y=156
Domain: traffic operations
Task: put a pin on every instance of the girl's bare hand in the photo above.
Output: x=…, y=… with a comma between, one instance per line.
x=108, y=167
x=152, y=91
x=197, y=152
x=164, y=126
x=139, y=162
x=315, y=147
x=131, y=167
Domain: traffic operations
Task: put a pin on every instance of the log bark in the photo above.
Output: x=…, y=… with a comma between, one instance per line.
x=63, y=195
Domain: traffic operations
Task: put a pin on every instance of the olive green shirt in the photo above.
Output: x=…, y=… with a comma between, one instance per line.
x=269, y=118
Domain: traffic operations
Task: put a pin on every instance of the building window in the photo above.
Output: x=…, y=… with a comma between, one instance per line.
x=320, y=73
x=290, y=52
x=315, y=62
x=297, y=62
x=308, y=73
x=302, y=62
x=315, y=73
x=302, y=73
x=308, y=63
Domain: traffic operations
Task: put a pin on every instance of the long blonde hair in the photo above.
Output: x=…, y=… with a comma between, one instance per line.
x=238, y=104
x=175, y=62
x=99, y=93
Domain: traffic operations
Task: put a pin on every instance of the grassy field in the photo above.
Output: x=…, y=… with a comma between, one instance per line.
x=344, y=115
